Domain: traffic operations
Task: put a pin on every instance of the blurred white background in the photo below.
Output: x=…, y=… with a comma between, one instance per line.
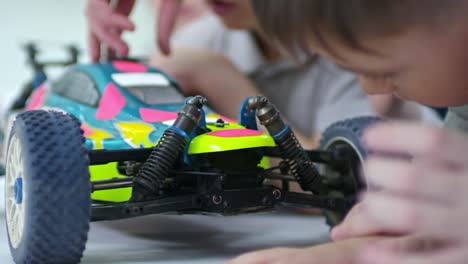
x=54, y=24
x=177, y=239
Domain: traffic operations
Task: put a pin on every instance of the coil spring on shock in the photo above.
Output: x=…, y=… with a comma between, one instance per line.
x=155, y=170
x=152, y=176
x=299, y=164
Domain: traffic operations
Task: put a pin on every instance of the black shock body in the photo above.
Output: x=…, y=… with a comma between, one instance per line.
x=298, y=162
x=150, y=179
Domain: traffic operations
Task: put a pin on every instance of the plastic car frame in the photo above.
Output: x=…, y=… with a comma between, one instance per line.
x=118, y=140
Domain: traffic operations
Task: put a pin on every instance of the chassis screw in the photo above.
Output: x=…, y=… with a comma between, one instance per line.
x=220, y=123
x=217, y=199
x=134, y=210
x=266, y=200
x=277, y=194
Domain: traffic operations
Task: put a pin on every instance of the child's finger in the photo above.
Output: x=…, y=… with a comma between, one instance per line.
x=94, y=47
x=103, y=15
x=120, y=22
x=405, y=251
x=359, y=224
x=412, y=243
x=423, y=180
x=396, y=214
x=380, y=213
x=347, y=228
x=264, y=256
x=112, y=39
x=168, y=12
x=417, y=140
x=98, y=10
x=112, y=21
x=125, y=6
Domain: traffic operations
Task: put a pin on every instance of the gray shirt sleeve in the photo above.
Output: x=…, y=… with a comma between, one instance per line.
x=314, y=96
x=337, y=96
x=311, y=98
x=342, y=98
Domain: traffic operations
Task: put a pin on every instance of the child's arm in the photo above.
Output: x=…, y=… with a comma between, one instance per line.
x=167, y=16
x=200, y=71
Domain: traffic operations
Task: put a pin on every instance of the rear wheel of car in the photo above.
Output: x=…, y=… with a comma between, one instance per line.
x=47, y=190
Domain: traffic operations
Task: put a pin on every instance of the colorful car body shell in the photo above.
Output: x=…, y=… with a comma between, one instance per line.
x=114, y=118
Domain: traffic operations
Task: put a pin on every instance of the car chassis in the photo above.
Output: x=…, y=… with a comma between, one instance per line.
x=219, y=191
x=210, y=197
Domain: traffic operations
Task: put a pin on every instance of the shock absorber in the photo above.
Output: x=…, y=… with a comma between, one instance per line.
x=299, y=163
x=150, y=179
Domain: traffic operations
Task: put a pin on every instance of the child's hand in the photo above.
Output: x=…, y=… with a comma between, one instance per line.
x=425, y=197
x=201, y=71
x=343, y=252
x=414, y=249
x=167, y=16
x=278, y=255
x=190, y=66
x=106, y=25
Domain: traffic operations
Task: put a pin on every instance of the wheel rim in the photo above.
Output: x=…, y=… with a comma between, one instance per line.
x=345, y=141
x=334, y=216
x=15, y=192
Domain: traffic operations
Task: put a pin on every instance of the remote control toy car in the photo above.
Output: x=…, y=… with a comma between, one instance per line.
x=118, y=140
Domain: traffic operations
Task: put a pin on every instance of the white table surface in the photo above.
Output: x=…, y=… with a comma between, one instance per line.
x=189, y=239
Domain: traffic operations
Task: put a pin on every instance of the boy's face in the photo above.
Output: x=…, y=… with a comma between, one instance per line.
x=426, y=66
x=235, y=14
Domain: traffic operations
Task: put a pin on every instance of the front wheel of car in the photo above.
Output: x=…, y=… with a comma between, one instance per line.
x=47, y=190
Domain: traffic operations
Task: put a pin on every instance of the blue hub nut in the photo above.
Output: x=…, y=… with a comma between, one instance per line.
x=18, y=190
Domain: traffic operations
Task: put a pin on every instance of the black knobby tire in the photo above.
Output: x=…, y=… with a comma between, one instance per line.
x=345, y=181
x=55, y=186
